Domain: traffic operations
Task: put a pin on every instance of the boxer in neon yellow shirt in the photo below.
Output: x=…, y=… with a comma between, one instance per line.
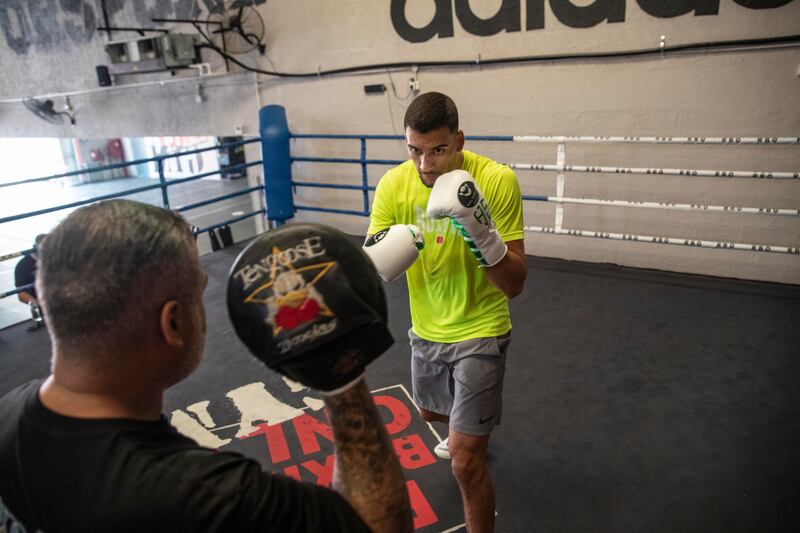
x=472, y=262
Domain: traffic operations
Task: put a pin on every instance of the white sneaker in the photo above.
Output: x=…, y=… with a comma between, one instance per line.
x=442, y=449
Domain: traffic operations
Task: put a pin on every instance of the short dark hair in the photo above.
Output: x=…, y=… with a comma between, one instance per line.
x=100, y=265
x=431, y=111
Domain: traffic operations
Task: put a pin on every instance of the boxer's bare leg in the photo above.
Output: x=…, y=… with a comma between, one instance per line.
x=468, y=454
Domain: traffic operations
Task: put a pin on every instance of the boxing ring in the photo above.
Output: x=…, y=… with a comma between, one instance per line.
x=561, y=166
x=635, y=399
x=278, y=192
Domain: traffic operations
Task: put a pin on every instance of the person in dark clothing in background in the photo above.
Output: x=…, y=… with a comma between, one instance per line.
x=25, y=274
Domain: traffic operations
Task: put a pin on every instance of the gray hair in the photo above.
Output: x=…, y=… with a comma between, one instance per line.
x=99, y=268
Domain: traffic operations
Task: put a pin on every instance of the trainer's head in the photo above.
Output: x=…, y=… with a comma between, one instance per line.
x=121, y=278
x=433, y=139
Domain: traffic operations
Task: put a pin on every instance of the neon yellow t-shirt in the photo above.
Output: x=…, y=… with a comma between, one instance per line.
x=451, y=299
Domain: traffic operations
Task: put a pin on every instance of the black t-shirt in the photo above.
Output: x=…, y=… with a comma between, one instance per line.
x=25, y=273
x=59, y=473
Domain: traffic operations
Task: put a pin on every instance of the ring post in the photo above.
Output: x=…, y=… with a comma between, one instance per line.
x=364, y=176
x=277, y=163
x=163, y=181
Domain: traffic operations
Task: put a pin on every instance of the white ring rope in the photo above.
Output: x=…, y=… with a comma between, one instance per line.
x=678, y=207
x=560, y=167
x=655, y=140
x=760, y=174
x=666, y=240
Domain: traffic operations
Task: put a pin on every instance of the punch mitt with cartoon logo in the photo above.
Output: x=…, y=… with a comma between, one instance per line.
x=394, y=249
x=307, y=301
x=456, y=195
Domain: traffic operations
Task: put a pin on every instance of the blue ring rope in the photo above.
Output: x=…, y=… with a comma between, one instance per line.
x=216, y=199
x=330, y=210
x=346, y=160
x=198, y=231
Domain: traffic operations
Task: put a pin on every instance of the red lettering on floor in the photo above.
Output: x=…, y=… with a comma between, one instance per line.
x=412, y=452
x=401, y=417
x=276, y=442
x=307, y=427
x=292, y=471
x=423, y=512
x=324, y=472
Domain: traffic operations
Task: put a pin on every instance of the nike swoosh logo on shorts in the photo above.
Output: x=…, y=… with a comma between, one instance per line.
x=484, y=420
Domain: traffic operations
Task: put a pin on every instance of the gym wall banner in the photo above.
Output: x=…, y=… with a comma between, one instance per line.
x=49, y=25
x=510, y=18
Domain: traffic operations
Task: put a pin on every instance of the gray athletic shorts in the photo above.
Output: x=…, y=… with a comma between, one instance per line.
x=463, y=380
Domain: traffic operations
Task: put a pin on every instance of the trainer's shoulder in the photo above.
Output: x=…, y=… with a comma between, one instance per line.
x=13, y=402
x=13, y=407
x=226, y=488
x=191, y=471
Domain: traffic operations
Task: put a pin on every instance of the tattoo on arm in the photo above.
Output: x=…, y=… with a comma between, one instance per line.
x=367, y=472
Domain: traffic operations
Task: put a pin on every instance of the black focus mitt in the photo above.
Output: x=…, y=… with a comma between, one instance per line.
x=307, y=301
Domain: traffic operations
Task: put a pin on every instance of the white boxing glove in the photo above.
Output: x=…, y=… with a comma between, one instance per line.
x=456, y=195
x=394, y=249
